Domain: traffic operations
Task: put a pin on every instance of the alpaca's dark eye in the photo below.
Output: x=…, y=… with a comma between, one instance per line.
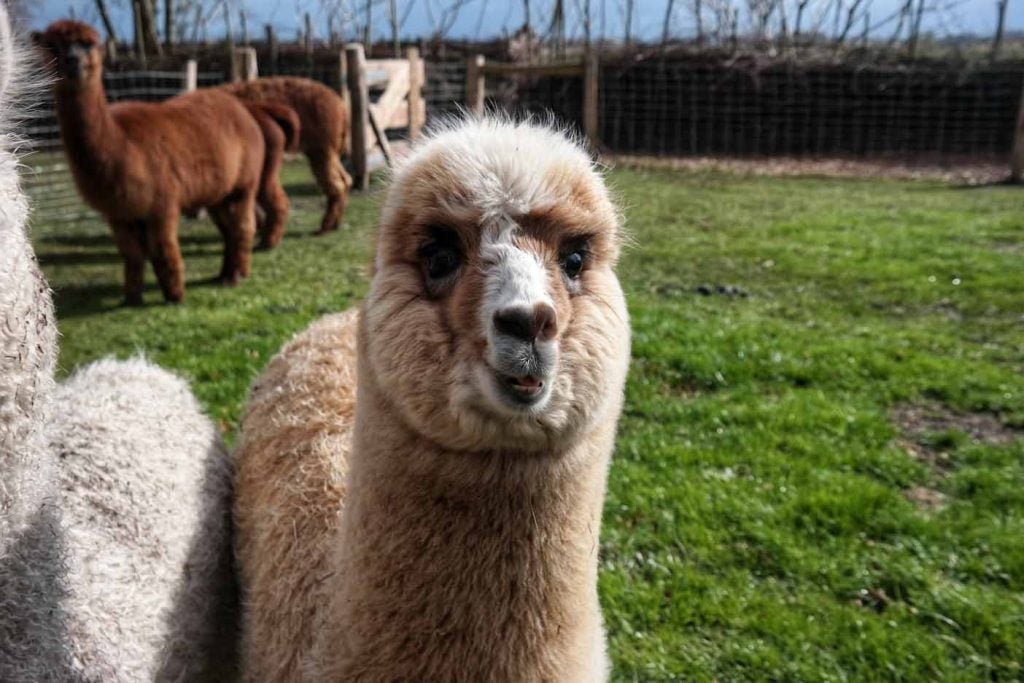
x=441, y=261
x=441, y=255
x=572, y=263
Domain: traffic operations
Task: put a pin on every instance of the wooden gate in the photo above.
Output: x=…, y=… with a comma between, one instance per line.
x=399, y=105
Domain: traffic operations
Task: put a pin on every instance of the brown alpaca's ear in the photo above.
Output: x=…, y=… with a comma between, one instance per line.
x=37, y=38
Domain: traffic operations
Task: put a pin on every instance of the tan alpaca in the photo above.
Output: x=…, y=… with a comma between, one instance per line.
x=420, y=484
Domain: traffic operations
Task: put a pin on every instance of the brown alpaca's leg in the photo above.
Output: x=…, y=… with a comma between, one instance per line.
x=228, y=266
x=133, y=251
x=334, y=182
x=165, y=254
x=236, y=220
x=272, y=199
x=274, y=202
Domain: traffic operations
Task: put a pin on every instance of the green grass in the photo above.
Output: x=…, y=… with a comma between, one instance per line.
x=755, y=527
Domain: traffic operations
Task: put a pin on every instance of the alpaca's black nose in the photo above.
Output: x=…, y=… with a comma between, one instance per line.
x=526, y=324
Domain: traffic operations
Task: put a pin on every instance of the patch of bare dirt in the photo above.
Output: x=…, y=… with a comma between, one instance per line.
x=921, y=435
x=926, y=498
x=917, y=420
x=967, y=172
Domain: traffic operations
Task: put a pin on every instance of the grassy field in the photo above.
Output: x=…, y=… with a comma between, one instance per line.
x=820, y=473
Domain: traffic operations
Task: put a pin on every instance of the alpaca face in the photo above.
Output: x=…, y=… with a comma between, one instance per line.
x=495, y=319
x=74, y=50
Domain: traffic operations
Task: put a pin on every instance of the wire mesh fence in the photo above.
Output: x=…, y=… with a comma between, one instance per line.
x=701, y=108
x=666, y=107
x=682, y=109
x=445, y=88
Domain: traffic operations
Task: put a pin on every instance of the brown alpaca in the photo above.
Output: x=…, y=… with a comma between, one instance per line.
x=142, y=164
x=325, y=121
x=419, y=484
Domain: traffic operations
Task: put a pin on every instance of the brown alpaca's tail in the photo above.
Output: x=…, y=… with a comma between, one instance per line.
x=282, y=115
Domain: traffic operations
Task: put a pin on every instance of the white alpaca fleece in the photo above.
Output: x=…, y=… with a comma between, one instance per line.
x=145, y=494
x=29, y=558
x=115, y=557
x=31, y=554
x=27, y=330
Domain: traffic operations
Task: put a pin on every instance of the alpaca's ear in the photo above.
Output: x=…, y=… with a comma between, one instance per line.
x=37, y=38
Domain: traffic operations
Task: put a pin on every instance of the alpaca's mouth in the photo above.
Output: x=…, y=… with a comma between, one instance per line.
x=521, y=392
x=513, y=393
x=527, y=386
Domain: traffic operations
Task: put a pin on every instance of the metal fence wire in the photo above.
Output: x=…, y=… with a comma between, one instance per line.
x=445, y=88
x=680, y=109
x=671, y=107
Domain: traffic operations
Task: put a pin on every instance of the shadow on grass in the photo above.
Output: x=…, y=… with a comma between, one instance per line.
x=82, y=301
x=196, y=233
x=302, y=190
x=77, y=258
x=77, y=301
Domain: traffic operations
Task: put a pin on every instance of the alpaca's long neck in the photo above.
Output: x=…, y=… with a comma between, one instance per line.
x=92, y=138
x=465, y=566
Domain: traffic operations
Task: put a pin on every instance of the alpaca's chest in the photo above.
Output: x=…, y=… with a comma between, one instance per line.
x=119, y=188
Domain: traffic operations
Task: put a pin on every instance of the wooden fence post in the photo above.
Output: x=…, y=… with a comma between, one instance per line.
x=190, y=81
x=359, y=97
x=243, y=64
x=591, y=119
x=475, y=85
x=343, y=91
x=417, y=107
x=1017, y=157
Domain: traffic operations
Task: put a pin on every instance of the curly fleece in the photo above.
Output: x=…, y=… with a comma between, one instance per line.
x=115, y=559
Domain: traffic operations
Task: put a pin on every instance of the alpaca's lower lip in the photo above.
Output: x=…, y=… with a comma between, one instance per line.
x=525, y=385
x=522, y=391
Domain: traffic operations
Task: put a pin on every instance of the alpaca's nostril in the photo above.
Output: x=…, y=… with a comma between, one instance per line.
x=515, y=322
x=545, y=320
x=525, y=324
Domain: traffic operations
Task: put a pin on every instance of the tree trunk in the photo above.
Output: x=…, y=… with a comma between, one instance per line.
x=396, y=39
x=557, y=28
x=368, y=29
x=668, y=22
x=149, y=27
x=851, y=15
x=629, y=22
x=997, y=40
x=101, y=7
x=140, y=43
x=586, y=24
x=168, y=24
x=698, y=14
x=915, y=29
x=799, y=18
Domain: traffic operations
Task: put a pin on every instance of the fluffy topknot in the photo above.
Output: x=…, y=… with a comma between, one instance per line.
x=68, y=31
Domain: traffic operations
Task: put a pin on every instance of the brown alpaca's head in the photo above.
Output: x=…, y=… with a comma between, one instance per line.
x=495, y=319
x=73, y=49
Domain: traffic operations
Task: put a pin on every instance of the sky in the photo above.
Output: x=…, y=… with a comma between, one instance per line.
x=489, y=18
